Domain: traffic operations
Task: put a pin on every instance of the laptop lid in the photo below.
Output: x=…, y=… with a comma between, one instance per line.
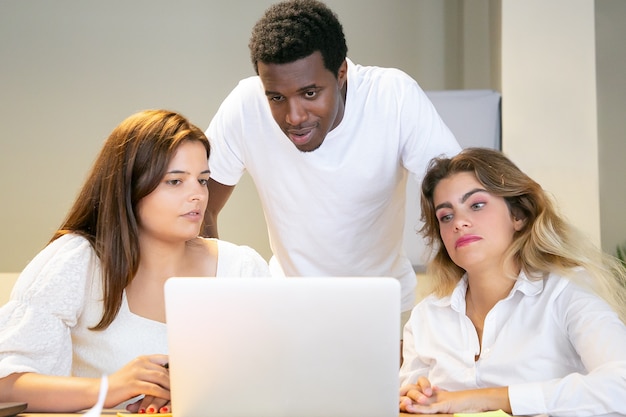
x=271, y=347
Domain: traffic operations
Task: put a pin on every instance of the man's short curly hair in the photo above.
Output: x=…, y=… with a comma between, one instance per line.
x=294, y=29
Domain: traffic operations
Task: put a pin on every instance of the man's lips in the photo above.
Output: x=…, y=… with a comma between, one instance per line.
x=466, y=240
x=300, y=136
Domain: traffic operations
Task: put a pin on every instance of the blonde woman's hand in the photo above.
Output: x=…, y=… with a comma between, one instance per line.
x=421, y=398
x=418, y=393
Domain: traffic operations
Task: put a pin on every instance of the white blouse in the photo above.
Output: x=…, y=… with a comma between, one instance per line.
x=44, y=327
x=560, y=349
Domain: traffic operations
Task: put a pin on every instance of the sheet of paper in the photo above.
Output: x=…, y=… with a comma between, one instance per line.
x=96, y=410
x=498, y=413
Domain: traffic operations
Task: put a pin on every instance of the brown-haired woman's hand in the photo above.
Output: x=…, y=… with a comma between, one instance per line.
x=144, y=375
x=150, y=405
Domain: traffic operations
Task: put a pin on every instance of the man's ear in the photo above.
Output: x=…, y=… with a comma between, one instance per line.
x=342, y=74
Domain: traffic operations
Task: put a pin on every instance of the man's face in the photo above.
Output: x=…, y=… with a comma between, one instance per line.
x=306, y=99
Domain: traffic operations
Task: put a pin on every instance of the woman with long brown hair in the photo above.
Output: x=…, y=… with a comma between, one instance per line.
x=91, y=302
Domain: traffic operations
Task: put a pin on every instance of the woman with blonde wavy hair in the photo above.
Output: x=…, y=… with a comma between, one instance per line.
x=522, y=313
x=91, y=303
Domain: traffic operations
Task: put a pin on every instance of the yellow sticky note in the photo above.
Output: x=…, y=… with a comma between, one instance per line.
x=123, y=414
x=498, y=413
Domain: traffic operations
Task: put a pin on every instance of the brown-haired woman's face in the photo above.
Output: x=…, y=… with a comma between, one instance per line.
x=476, y=227
x=175, y=209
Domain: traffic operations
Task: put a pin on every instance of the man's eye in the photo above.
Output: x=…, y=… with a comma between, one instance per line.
x=310, y=94
x=276, y=99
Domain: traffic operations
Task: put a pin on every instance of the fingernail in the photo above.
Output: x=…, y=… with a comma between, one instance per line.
x=142, y=411
x=151, y=410
x=164, y=410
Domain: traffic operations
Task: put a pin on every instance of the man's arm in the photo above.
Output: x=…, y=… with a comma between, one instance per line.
x=218, y=196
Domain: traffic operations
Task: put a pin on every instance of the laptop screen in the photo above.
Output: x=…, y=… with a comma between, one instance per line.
x=284, y=346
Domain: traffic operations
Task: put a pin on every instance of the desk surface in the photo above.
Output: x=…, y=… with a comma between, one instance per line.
x=109, y=413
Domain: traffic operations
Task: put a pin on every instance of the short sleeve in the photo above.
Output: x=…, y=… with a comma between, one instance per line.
x=424, y=132
x=240, y=261
x=226, y=131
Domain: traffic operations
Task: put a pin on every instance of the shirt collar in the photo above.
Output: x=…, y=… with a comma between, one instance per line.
x=456, y=300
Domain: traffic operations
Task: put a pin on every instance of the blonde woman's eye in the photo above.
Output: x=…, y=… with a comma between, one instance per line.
x=445, y=218
x=477, y=206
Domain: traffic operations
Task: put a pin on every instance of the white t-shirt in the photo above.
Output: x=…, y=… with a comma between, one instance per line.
x=44, y=327
x=339, y=210
x=560, y=349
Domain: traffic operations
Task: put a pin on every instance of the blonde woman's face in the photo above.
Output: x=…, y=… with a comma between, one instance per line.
x=175, y=209
x=476, y=227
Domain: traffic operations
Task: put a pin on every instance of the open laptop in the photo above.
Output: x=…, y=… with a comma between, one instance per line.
x=272, y=347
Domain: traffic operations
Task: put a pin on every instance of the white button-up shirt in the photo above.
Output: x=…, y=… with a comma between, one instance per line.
x=560, y=349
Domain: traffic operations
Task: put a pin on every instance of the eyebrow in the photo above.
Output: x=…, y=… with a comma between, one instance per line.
x=463, y=199
x=179, y=171
x=302, y=89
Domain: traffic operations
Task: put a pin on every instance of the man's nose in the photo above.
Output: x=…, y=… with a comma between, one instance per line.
x=296, y=113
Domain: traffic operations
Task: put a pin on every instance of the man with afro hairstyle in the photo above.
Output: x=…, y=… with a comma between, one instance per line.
x=329, y=145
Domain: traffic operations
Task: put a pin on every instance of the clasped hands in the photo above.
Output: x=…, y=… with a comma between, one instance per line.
x=422, y=398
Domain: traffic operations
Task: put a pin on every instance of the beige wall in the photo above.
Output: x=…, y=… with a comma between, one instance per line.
x=564, y=99
x=549, y=112
x=6, y=284
x=611, y=87
x=73, y=70
x=70, y=71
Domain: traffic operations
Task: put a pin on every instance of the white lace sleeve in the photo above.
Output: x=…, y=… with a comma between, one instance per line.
x=48, y=297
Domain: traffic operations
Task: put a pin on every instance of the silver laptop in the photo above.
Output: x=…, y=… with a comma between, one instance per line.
x=272, y=347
